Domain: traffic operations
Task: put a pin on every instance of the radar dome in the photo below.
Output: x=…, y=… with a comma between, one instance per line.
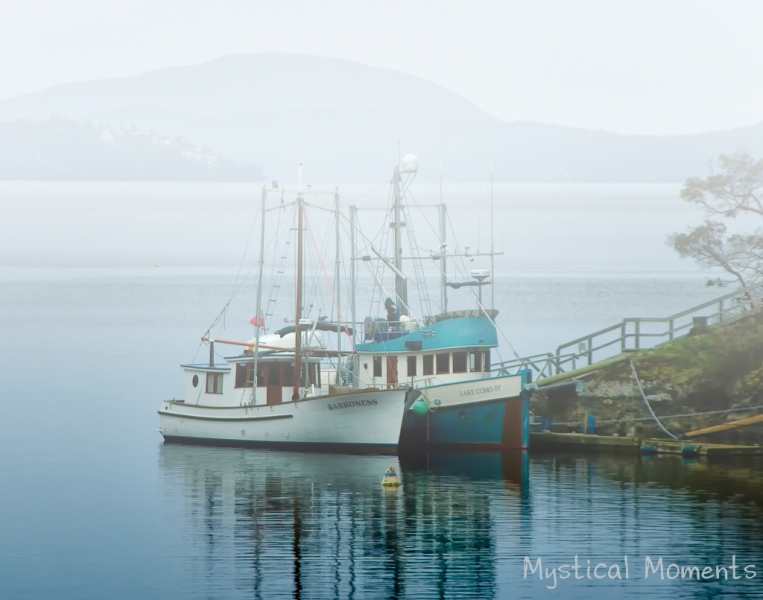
x=410, y=163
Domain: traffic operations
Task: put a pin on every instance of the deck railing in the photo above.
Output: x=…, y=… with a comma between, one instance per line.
x=636, y=334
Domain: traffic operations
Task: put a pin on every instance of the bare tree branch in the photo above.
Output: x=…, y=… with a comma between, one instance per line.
x=708, y=245
x=736, y=189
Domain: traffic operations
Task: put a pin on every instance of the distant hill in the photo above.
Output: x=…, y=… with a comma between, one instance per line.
x=344, y=120
x=60, y=149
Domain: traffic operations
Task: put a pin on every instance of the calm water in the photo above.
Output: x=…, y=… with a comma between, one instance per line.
x=92, y=505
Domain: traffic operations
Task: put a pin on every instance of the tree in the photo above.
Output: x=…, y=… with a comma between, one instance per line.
x=737, y=189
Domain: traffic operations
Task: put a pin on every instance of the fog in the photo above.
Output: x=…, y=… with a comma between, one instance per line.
x=646, y=67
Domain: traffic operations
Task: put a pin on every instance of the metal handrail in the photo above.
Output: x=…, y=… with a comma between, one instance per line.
x=547, y=364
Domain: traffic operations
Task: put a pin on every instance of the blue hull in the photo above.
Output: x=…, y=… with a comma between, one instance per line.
x=499, y=424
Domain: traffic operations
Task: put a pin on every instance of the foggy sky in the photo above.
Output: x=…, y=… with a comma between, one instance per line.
x=630, y=67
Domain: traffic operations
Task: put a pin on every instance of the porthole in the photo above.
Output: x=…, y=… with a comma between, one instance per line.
x=195, y=381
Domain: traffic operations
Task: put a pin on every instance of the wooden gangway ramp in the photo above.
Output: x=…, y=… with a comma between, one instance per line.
x=726, y=426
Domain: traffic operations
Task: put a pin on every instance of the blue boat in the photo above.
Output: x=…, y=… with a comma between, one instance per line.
x=454, y=398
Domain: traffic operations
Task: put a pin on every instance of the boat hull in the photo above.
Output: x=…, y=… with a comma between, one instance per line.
x=359, y=422
x=488, y=414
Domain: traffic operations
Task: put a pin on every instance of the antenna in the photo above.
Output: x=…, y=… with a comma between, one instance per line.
x=492, y=239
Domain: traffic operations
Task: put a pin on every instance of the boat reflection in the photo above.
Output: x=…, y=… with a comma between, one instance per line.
x=321, y=525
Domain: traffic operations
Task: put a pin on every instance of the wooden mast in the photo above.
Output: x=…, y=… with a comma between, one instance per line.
x=259, y=323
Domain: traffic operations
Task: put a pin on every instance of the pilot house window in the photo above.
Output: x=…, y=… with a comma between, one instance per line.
x=377, y=366
x=244, y=372
x=459, y=362
x=443, y=363
x=411, y=366
x=476, y=359
x=428, y=364
x=214, y=383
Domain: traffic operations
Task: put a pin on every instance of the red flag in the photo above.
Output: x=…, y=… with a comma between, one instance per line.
x=258, y=321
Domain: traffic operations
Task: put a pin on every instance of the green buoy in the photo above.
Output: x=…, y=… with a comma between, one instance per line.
x=420, y=407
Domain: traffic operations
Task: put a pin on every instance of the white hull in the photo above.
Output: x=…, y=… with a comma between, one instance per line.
x=476, y=391
x=360, y=421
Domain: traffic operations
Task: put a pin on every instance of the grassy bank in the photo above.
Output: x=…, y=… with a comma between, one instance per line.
x=720, y=368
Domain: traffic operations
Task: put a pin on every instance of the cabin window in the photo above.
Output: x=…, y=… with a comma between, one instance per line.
x=486, y=364
x=288, y=376
x=443, y=364
x=412, y=366
x=476, y=361
x=428, y=364
x=314, y=371
x=459, y=362
x=241, y=375
x=195, y=381
x=214, y=383
x=244, y=375
x=377, y=366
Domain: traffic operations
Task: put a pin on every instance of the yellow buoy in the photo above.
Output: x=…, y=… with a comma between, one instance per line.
x=390, y=478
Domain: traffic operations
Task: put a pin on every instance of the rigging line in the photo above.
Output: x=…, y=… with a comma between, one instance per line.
x=498, y=329
x=328, y=281
x=246, y=249
x=418, y=267
x=648, y=407
x=195, y=354
x=387, y=215
x=664, y=417
x=319, y=207
x=370, y=268
x=423, y=214
x=315, y=290
x=281, y=205
x=277, y=277
x=424, y=298
x=221, y=315
x=356, y=198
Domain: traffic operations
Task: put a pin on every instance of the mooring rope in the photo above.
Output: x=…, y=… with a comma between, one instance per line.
x=680, y=416
x=648, y=407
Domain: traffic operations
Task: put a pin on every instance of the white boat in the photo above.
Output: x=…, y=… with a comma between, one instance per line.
x=366, y=420
x=227, y=405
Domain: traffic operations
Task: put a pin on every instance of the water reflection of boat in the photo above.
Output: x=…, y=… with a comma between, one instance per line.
x=292, y=523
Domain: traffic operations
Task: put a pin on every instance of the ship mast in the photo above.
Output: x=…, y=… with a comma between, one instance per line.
x=337, y=274
x=257, y=329
x=492, y=241
x=401, y=288
x=443, y=253
x=297, y=332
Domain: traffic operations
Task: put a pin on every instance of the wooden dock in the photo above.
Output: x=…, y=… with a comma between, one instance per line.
x=585, y=443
